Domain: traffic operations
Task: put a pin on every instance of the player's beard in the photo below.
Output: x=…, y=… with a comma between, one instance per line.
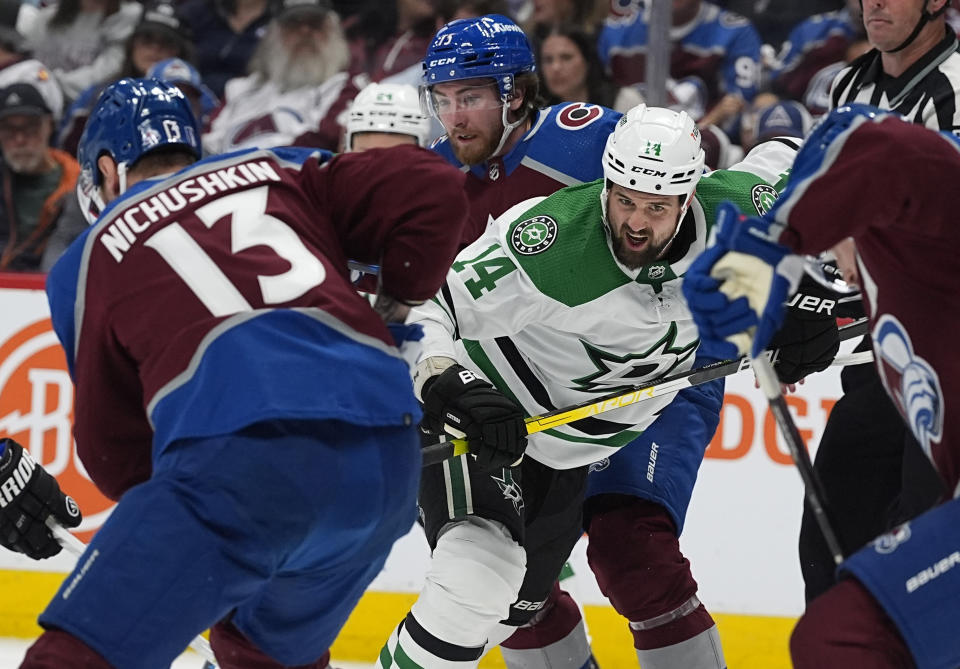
x=477, y=151
x=307, y=63
x=635, y=259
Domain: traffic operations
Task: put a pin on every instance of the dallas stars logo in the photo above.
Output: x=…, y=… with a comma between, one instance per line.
x=763, y=197
x=620, y=372
x=534, y=235
x=510, y=489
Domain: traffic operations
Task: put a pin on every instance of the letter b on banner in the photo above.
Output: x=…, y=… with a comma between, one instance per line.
x=36, y=409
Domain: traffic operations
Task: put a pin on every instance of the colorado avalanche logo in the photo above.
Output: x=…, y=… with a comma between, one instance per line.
x=887, y=543
x=912, y=382
x=599, y=465
x=578, y=115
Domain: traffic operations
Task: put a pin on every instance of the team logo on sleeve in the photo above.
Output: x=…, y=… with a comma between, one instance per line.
x=578, y=115
x=534, y=235
x=911, y=381
x=763, y=197
x=887, y=543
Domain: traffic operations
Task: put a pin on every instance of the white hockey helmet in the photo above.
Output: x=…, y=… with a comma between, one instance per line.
x=654, y=150
x=392, y=108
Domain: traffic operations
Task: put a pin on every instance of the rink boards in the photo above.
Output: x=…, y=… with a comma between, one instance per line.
x=740, y=535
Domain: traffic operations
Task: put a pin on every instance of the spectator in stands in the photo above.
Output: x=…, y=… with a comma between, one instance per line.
x=587, y=14
x=817, y=96
x=16, y=66
x=38, y=182
x=159, y=35
x=813, y=44
x=225, y=35
x=451, y=10
x=298, y=84
x=773, y=18
x=570, y=71
x=185, y=76
x=82, y=41
x=783, y=118
x=721, y=48
x=387, y=38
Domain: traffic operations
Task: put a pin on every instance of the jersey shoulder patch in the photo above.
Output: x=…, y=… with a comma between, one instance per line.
x=554, y=241
x=577, y=115
x=752, y=195
x=571, y=138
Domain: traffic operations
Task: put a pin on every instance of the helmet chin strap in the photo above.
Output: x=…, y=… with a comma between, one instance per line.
x=122, y=177
x=925, y=16
x=507, y=127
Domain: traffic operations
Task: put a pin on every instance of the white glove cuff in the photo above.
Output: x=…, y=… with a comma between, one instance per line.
x=428, y=368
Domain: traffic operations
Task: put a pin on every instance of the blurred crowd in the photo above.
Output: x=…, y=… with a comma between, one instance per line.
x=276, y=72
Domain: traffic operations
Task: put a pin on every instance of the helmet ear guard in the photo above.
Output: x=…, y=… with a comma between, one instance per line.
x=132, y=117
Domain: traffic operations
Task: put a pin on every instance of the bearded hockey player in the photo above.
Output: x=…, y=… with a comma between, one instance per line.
x=563, y=299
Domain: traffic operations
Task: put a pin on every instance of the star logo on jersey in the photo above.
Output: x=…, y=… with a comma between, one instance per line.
x=763, y=197
x=510, y=489
x=534, y=235
x=621, y=372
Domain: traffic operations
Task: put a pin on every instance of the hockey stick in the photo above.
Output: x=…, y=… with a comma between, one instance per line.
x=76, y=547
x=812, y=487
x=435, y=453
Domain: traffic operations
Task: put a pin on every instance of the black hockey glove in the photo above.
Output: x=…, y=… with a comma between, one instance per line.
x=809, y=339
x=460, y=403
x=28, y=496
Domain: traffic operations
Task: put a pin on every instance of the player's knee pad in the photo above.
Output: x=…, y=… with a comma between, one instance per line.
x=56, y=649
x=634, y=553
x=474, y=576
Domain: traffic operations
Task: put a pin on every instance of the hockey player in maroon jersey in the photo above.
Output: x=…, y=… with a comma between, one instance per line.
x=252, y=414
x=868, y=175
x=480, y=82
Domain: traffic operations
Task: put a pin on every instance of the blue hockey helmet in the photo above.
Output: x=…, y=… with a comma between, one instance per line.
x=827, y=128
x=132, y=117
x=488, y=46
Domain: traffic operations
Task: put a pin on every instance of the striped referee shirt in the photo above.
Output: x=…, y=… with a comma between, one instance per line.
x=926, y=93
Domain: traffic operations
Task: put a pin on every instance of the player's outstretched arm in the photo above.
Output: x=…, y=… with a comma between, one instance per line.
x=28, y=497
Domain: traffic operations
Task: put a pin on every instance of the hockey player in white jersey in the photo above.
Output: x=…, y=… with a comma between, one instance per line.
x=563, y=299
x=384, y=115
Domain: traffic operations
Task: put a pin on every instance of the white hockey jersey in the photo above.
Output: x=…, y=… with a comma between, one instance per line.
x=541, y=307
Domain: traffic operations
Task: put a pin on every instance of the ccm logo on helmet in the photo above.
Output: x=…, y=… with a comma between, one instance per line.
x=647, y=171
x=437, y=62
